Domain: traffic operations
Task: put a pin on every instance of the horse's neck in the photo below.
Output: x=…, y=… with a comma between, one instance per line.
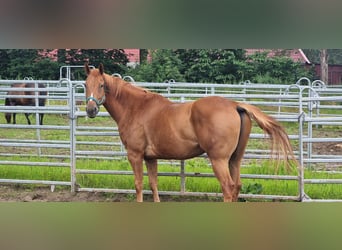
x=121, y=99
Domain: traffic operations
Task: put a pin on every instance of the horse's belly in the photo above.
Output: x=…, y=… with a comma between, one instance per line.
x=176, y=151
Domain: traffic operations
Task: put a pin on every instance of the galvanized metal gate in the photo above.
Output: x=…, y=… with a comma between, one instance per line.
x=34, y=146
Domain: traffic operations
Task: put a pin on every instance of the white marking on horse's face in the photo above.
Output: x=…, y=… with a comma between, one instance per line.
x=92, y=96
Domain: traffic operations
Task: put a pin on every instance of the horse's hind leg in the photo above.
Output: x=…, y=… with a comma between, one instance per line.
x=235, y=160
x=234, y=167
x=222, y=173
x=152, y=170
x=14, y=118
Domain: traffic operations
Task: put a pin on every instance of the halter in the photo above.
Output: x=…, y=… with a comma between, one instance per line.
x=98, y=102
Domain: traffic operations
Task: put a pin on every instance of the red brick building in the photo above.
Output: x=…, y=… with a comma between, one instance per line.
x=133, y=56
x=334, y=73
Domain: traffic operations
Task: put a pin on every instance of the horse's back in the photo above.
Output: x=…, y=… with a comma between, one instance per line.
x=18, y=85
x=15, y=92
x=13, y=101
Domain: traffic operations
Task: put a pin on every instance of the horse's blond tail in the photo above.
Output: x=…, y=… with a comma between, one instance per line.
x=280, y=144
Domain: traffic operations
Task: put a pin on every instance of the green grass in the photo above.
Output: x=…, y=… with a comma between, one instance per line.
x=203, y=184
x=33, y=172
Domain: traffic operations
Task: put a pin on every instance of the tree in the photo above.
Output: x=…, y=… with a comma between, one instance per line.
x=143, y=54
x=38, y=64
x=4, y=62
x=21, y=63
x=211, y=65
x=279, y=69
x=46, y=69
x=324, y=65
x=164, y=66
x=115, y=60
x=334, y=55
x=219, y=66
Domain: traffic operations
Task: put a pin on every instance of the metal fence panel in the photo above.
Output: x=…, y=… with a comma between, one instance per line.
x=307, y=106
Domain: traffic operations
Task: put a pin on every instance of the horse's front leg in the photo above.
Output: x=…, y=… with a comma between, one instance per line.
x=136, y=161
x=152, y=169
x=41, y=116
x=27, y=118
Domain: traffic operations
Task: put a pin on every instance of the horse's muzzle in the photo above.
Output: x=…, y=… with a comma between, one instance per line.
x=92, y=111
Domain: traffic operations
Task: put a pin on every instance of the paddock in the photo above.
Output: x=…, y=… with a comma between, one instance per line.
x=306, y=106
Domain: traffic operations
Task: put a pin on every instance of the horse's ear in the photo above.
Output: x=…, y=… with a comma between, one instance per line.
x=101, y=69
x=87, y=69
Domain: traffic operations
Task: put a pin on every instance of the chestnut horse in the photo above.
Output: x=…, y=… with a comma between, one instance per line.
x=152, y=127
x=23, y=101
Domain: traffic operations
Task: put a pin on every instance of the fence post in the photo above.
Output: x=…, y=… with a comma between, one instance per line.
x=301, y=119
x=182, y=176
x=36, y=98
x=72, y=123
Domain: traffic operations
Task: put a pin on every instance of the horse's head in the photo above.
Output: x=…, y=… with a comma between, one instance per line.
x=95, y=90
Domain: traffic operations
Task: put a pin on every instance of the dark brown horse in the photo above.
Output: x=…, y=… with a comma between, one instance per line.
x=151, y=127
x=23, y=101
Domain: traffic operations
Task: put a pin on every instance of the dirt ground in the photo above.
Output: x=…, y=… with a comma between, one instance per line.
x=20, y=193
x=328, y=148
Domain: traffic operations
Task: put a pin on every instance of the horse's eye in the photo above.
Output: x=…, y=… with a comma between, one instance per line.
x=101, y=86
